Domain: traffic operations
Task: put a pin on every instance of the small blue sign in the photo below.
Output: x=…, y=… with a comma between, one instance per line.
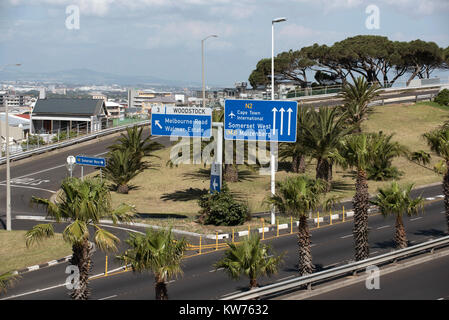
x=262, y=120
x=181, y=121
x=89, y=161
x=215, y=177
x=215, y=183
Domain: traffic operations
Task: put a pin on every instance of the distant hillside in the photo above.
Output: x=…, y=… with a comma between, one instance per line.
x=90, y=77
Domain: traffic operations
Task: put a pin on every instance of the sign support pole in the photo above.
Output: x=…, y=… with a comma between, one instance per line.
x=219, y=157
x=272, y=157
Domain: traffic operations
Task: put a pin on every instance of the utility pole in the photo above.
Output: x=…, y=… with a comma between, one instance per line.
x=202, y=67
x=8, y=171
x=272, y=155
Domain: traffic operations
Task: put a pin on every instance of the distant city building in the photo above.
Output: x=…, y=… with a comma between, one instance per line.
x=136, y=97
x=99, y=96
x=11, y=99
x=115, y=110
x=150, y=104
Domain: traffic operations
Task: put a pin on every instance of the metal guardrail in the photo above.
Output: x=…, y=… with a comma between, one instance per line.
x=308, y=280
x=65, y=143
x=383, y=91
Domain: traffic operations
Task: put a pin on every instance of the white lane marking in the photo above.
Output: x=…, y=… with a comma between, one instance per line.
x=414, y=219
x=430, y=198
x=108, y=297
x=374, y=252
x=440, y=299
x=56, y=286
x=331, y=265
x=26, y=187
x=344, y=237
x=216, y=270
x=440, y=196
x=383, y=227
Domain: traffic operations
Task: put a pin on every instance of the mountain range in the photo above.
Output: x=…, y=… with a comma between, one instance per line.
x=91, y=77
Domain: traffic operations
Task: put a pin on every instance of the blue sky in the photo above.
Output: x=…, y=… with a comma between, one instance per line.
x=162, y=38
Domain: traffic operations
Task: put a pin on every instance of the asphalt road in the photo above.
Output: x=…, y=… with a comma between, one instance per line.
x=42, y=176
x=425, y=281
x=331, y=246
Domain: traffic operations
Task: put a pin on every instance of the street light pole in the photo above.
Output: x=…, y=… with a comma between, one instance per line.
x=272, y=155
x=8, y=171
x=202, y=66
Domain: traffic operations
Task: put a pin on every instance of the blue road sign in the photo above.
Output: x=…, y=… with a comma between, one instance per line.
x=89, y=161
x=215, y=177
x=181, y=122
x=262, y=120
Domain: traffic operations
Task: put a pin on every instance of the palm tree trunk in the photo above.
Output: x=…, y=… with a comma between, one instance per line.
x=305, y=265
x=400, y=237
x=82, y=258
x=446, y=193
x=299, y=164
x=252, y=284
x=123, y=188
x=324, y=172
x=360, y=203
x=160, y=289
x=231, y=173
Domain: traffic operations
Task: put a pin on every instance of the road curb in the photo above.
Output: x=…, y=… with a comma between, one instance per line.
x=42, y=265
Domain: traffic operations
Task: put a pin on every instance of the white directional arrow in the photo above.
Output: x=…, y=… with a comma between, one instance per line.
x=158, y=124
x=274, y=118
x=289, y=118
x=282, y=119
x=215, y=184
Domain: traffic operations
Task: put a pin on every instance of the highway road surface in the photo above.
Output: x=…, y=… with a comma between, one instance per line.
x=331, y=245
x=425, y=281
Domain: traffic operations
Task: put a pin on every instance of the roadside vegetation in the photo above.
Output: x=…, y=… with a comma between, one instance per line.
x=22, y=257
x=82, y=203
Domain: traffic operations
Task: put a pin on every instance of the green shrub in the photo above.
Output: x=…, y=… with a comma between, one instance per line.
x=63, y=136
x=221, y=209
x=443, y=97
x=33, y=141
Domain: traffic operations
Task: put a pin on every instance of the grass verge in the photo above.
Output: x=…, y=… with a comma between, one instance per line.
x=21, y=256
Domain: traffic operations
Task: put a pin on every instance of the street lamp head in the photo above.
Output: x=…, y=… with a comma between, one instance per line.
x=279, y=20
x=210, y=36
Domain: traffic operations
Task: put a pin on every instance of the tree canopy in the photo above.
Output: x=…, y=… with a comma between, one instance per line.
x=376, y=58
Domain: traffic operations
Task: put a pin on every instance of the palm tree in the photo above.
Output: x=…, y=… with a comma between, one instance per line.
x=322, y=139
x=359, y=151
x=356, y=99
x=250, y=258
x=297, y=151
x=7, y=280
x=155, y=251
x=381, y=167
x=122, y=166
x=438, y=140
x=396, y=200
x=134, y=142
x=296, y=196
x=82, y=203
